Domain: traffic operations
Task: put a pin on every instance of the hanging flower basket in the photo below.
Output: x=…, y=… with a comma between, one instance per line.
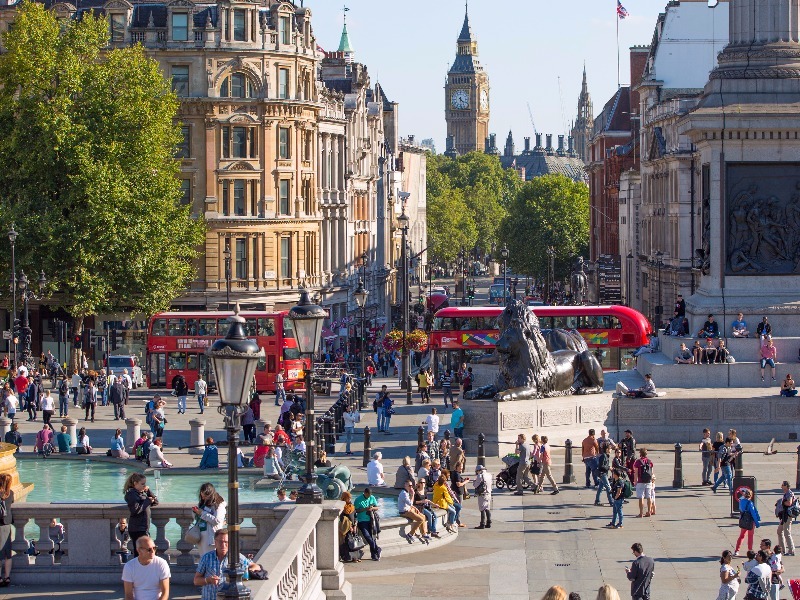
x=416, y=340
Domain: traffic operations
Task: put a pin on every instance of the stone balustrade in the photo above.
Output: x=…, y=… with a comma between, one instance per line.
x=297, y=544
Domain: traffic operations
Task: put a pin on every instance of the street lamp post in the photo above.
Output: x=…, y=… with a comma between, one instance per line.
x=234, y=359
x=406, y=383
x=659, y=305
x=227, y=254
x=360, y=296
x=551, y=273
x=27, y=295
x=307, y=319
x=628, y=287
x=12, y=238
x=504, y=256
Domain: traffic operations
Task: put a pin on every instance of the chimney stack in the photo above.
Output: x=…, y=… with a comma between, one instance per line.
x=561, y=144
x=527, y=144
x=539, y=141
x=571, y=145
x=549, y=146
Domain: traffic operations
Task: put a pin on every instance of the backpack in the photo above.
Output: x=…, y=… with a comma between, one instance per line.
x=63, y=389
x=646, y=471
x=627, y=488
x=793, y=510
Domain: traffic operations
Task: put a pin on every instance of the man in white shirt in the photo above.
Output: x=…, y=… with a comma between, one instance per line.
x=200, y=391
x=11, y=406
x=75, y=385
x=432, y=423
x=127, y=378
x=147, y=576
x=406, y=508
x=375, y=471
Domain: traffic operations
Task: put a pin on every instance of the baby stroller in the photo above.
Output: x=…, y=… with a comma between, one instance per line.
x=508, y=477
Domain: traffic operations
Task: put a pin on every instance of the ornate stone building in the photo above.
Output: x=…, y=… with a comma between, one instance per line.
x=542, y=159
x=290, y=154
x=466, y=97
x=584, y=122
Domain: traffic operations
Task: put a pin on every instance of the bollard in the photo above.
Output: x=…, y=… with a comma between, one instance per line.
x=481, y=460
x=569, y=475
x=447, y=434
x=420, y=435
x=368, y=447
x=72, y=429
x=739, y=472
x=677, y=478
x=328, y=435
x=197, y=435
x=5, y=426
x=134, y=431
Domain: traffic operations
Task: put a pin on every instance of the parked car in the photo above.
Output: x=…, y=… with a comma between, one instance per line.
x=127, y=361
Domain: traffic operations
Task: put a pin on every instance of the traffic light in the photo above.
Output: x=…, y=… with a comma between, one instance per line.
x=16, y=327
x=77, y=342
x=88, y=342
x=113, y=339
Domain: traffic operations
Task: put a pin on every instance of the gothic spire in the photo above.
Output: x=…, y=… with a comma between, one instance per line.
x=466, y=32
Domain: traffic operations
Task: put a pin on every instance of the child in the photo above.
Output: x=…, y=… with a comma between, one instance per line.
x=776, y=564
x=751, y=561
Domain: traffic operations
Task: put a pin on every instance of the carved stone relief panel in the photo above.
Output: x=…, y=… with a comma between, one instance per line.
x=743, y=411
x=558, y=416
x=518, y=420
x=691, y=411
x=762, y=214
x=639, y=411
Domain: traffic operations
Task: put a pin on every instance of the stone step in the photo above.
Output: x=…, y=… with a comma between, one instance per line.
x=746, y=349
x=667, y=373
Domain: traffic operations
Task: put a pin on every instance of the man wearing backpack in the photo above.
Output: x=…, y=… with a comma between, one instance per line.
x=790, y=511
x=618, y=497
x=643, y=478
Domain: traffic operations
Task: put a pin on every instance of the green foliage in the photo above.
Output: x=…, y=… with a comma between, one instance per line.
x=467, y=200
x=551, y=210
x=87, y=140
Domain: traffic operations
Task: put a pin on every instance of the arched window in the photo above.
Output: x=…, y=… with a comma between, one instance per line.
x=236, y=85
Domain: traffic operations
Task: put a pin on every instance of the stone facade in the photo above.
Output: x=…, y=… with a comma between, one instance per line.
x=290, y=154
x=745, y=130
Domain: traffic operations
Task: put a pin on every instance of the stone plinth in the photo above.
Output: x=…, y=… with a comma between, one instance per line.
x=134, y=431
x=72, y=429
x=8, y=464
x=656, y=420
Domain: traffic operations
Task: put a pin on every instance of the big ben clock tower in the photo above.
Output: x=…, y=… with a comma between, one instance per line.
x=466, y=96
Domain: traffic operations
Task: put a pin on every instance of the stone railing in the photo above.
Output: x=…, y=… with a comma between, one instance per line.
x=297, y=544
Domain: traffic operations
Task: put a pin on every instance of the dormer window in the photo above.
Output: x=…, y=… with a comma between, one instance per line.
x=284, y=30
x=180, y=27
x=236, y=85
x=117, y=24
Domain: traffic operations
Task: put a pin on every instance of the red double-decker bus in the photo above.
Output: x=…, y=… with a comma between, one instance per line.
x=462, y=333
x=177, y=344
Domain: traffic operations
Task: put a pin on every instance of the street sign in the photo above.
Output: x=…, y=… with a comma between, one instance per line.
x=6, y=335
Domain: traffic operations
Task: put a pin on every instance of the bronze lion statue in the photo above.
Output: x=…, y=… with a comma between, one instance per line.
x=529, y=370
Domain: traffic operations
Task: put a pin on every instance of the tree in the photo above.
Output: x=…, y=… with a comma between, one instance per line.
x=552, y=210
x=476, y=190
x=87, y=140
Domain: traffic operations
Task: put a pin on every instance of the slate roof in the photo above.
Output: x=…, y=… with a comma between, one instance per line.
x=537, y=163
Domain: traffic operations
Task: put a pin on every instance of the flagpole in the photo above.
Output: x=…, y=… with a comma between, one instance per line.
x=616, y=18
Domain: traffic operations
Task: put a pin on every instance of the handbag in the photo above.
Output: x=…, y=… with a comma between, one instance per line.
x=355, y=541
x=193, y=534
x=536, y=468
x=746, y=521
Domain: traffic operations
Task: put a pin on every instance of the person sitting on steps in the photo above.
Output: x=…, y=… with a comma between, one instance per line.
x=710, y=329
x=739, y=327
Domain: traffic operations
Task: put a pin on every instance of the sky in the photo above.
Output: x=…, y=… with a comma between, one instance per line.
x=532, y=50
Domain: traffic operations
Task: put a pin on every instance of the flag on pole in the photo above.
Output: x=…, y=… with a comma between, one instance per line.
x=621, y=10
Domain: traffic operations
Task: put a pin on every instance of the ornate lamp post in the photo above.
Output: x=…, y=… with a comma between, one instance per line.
x=504, y=256
x=227, y=254
x=551, y=254
x=28, y=294
x=406, y=383
x=659, y=305
x=360, y=296
x=12, y=238
x=234, y=359
x=307, y=319
x=629, y=258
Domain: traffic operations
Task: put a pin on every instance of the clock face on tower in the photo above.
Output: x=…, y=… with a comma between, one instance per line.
x=484, y=100
x=459, y=99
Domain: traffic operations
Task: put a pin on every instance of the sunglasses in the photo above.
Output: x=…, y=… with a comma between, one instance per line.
x=149, y=549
